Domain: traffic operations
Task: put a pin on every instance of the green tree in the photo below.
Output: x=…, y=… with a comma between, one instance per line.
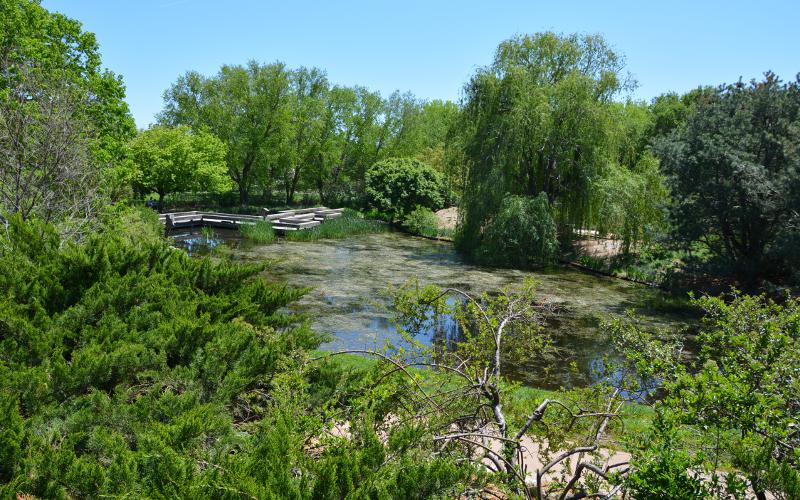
x=173, y=159
x=539, y=119
x=733, y=172
x=396, y=186
x=46, y=166
x=38, y=45
x=247, y=107
x=738, y=399
x=309, y=131
x=426, y=136
x=522, y=234
x=669, y=112
x=64, y=123
x=632, y=202
x=358, y=141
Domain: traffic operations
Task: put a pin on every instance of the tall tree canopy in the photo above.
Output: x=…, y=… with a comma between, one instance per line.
x=43, y=46
x=245, y=106
x=308, y=132
x=734, y=170
x=289, y=129
x=63, y=121
x=540, y=119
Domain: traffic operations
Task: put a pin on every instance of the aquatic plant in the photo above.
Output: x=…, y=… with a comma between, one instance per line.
x=208, y=233
x=350, y=223
x=260, y=232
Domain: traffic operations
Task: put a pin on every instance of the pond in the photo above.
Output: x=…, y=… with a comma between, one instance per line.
x=348, y=279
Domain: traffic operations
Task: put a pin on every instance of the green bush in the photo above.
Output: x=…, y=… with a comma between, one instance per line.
x=130, y=362
x=663, y=471
x=422, y=221
x=396, y=186
x=129, y=369
x=522, y=234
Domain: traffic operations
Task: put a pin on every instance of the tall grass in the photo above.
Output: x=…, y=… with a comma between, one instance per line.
x=348, y=224
x=260, y=232
x=208, y=233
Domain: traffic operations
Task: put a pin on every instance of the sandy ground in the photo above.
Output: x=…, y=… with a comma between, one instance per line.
x=599, y=248
x=531, y=456
x=448, y=217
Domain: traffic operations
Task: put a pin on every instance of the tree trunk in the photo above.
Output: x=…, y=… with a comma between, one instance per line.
x=244, y=198
x=161, y=195
x=293, y=186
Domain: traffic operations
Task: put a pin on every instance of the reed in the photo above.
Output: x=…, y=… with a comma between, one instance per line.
x=350, y=223
x=260, y=232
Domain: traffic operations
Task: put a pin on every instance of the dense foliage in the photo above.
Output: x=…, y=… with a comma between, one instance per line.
x=169, y=159
x=396, y=186
x=522, y=233
x=290, y=129
x=541, y=119
x=63, y=119
x=130, y=368
x=734, y=171
x=739, y=400
x=117, y=351
x=43, y=46
x=422, y=221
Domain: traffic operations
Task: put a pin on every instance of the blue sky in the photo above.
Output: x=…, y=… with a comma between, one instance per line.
x=431, y=48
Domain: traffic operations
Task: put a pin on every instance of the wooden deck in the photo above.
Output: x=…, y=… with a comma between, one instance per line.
x=286, y=220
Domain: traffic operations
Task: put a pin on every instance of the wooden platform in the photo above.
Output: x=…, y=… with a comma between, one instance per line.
x=286, y=220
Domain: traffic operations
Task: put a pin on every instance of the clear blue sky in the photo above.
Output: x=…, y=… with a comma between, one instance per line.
x=431, y=48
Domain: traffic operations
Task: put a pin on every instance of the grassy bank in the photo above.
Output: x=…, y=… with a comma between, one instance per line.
x=521, y=400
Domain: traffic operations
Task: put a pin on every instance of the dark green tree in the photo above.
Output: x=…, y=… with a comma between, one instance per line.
x=734, y=173
x=396, y=186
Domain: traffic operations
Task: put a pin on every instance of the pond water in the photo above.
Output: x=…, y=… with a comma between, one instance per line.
x=348, y=279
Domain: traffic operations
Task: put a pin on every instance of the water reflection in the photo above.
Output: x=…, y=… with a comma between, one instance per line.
x=197, y=243
x=349, y=279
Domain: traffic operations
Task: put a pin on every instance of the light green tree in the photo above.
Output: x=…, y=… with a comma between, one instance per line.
x=43, y=46
x=174, y=159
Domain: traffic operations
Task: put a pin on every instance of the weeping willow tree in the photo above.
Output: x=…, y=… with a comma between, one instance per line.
x=540, y=119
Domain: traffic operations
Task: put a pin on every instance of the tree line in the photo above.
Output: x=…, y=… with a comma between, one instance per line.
x=708, y=179
x=290, y=129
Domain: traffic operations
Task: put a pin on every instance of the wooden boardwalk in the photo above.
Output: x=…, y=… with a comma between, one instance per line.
x=286, y=220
